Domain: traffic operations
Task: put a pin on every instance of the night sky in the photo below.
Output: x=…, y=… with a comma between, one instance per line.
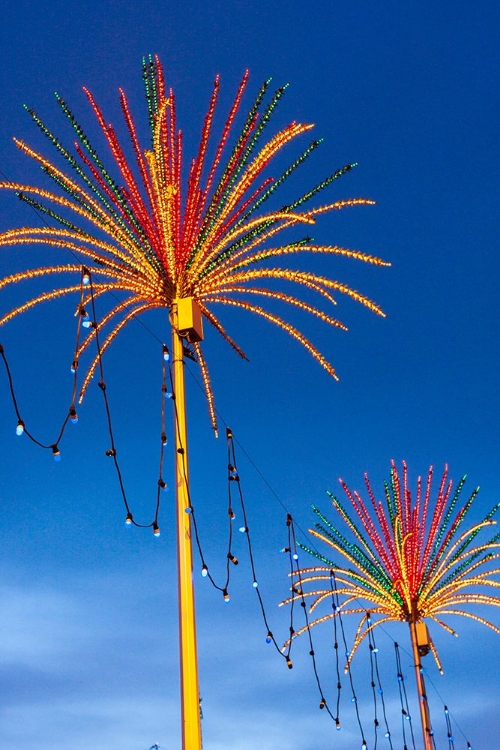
x=88, y=626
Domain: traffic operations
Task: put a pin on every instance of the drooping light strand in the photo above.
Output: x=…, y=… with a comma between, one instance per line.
x=71, y=415
x=406, y=719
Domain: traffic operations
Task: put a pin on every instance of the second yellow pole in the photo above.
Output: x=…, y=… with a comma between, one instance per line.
x=190, y=694
x=425, y=718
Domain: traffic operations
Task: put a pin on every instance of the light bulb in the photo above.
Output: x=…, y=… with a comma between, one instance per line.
x=188, y=510
x=73, y=416
x=285, y=549
x=56, y=453
x=20, y=427
x=289, y=663
x=295, y=556
x=111, y=452
x=156, y=529
x=225, y=595
x=166, y=353
x=322, y=703
x=204, y=571
x=233, y=559
x=255, y=585
x=162, y=485
x=163, y=438
x=129, y=519
x=243, y=529
x=269, y=637
x=74, y=366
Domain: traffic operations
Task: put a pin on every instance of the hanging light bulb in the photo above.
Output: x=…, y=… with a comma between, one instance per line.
x=322, y=703
x=233, y=559
x=56, y=453
x=156, y=529
x=111, y=452
x=74, y=366
x=285, y=549
x=225, y=595
x=204, y=571
x=269, y=637
x=162, y=485
x=295, y=556
x=289, y=663
x=188, y=509
x=166, y=353
x=20, y=427
x=255, y=585
x=73, y=415
x=231, y=514
x=86, y=322
x=164, y=438
x=337, y=725
x=85, y=276
x=129, y=519
x=243, y=529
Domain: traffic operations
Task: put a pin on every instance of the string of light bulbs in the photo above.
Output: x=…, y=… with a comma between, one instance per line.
x=376, y=685
x=403, y=699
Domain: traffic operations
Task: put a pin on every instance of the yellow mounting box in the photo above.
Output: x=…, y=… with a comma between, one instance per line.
x=423, y=640
x=190, y=319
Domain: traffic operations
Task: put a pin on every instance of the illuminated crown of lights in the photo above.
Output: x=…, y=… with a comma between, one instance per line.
x=147, y=234
x=409, y=559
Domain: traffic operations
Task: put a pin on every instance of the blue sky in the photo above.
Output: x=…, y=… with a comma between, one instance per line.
x=88, y=628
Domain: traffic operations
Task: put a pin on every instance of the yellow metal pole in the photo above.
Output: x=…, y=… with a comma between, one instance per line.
x=190, y=694
x=422, y=696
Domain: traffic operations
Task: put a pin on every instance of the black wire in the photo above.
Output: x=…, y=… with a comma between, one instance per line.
x=335, y=606
x=374, y=653
x=71, y=411
x=323, y=702
x=405, y=712
x=373, y=685
x=348, y=669
x=112, y=451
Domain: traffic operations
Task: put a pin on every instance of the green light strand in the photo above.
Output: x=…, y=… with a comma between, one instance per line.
x=230, y=250
x=319, y=187
x=49, y=212
x=272, y=188
x=448, y=515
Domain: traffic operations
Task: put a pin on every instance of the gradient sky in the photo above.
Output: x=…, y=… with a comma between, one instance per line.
x=88, y=630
